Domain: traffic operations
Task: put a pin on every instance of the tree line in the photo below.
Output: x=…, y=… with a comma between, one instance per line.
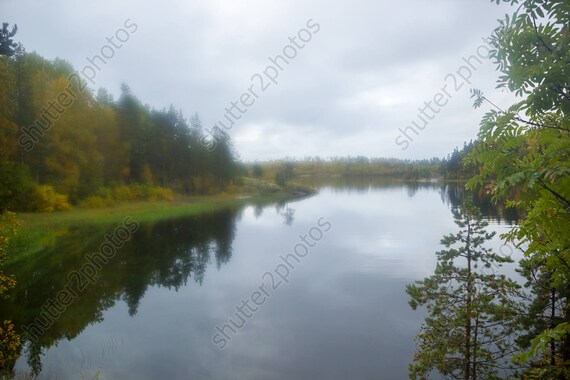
x=93, y=146
x=347, y=166
x=451, y=167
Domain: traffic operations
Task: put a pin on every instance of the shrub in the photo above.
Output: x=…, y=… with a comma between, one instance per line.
x=255, y=186
x=121, y=193
x=232, y=188
x=9, y=340
x=257, y=171
x=45, y=199
x=10, y=343
x=159, y=194
x=104, y=196
x=96, y=201
x=8, y=227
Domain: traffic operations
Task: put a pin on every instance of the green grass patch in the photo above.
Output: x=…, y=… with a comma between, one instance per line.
x=41, y=230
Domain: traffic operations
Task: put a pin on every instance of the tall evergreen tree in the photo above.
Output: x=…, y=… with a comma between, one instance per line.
x=471, y=324
x=7, y=45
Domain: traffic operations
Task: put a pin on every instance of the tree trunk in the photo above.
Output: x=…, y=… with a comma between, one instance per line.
x=467, y=369
x=552, y=317
x=474, y=366
x=468, y=337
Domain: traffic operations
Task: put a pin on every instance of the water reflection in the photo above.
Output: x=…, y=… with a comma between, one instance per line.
x=177, y=253
x=451, y=193
x=167, y=254
x=497, y=212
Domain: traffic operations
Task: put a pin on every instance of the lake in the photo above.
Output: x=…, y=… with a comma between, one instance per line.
x=308, y=289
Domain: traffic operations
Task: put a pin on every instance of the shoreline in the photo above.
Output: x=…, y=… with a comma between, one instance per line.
x=39, y=230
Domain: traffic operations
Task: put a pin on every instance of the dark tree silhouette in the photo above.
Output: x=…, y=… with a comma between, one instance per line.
x=7, y=44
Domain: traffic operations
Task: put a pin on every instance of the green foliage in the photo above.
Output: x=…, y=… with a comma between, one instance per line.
x=257, y=171
x=90, y=142
x=544, y=323
x=159, y=194
x=471, y=322
x=284, y=173
x=7, y=44
x=455, y=165
x=355, y=166
x=527, y=147
x=9, y=340
x=105, y=197
x=257, y=186
x=8, y=226
x=17, y=186
x=46, y=199
x=9, y=346
x=549, y=365
x=95, y=201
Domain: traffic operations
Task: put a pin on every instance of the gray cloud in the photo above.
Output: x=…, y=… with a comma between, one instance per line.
x=359, y=79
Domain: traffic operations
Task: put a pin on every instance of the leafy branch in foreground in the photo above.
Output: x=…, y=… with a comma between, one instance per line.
x=525, y=148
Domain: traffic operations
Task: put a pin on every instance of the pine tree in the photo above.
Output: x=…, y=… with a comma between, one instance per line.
x=7, y=45
x=471, y=323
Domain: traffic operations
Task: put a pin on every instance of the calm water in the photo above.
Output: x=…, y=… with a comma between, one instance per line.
x=154, y=309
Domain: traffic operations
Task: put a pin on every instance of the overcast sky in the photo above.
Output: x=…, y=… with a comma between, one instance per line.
x=364, y=72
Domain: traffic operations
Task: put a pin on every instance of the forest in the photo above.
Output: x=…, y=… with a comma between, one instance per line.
x=101, y=149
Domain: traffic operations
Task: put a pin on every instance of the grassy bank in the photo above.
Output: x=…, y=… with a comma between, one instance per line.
x=40, y=230
x=142, y=211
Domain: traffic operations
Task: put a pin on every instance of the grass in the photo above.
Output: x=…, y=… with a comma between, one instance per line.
x=141, y=211
x=40, y=230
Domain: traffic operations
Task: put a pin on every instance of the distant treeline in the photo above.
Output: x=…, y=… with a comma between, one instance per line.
x=389, y=167
x=60, y=142
x=451, y=167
